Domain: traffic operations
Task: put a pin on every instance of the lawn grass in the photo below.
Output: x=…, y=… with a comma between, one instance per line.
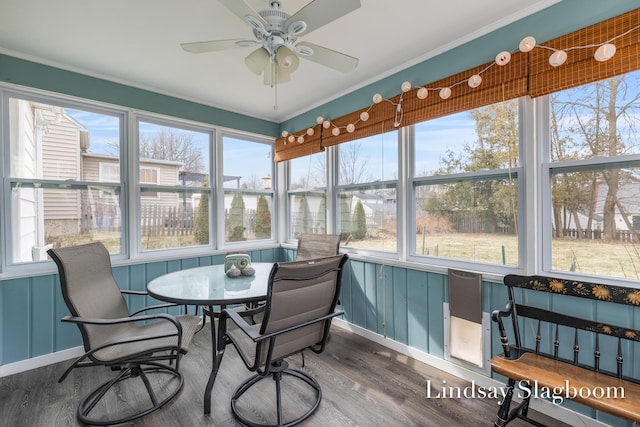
x=592, y=257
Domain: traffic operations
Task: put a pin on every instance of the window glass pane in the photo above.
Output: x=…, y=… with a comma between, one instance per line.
x=368, y=218
x=471, y=220
x=484, y=138
x=309, y=172
x=470, y=214
x=308, y=213
x=598, y=119
x=174, y=220
x=55, y=143
x=596, y=222
x=595, y=215
x=369, y=159
x=57, y=217
x=308, y=205
x=247, y=217
x=173, y=156
x=246, y=164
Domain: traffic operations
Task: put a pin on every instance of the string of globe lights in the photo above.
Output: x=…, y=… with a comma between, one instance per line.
x=605, y=51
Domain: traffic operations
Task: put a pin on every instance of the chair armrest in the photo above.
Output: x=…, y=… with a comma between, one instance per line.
x=118, y=320
x=131, y=339
x=151, y=307
x=239, y=320
x=298, y=326
x=132, y=292
x=497, y=316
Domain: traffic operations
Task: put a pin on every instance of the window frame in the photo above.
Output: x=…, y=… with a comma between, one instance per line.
x=139, y=188
x=221, y=239
x=128, y=188
x=290, y=207
x=518, y=174
x=544, y=213
x=54, y=100
x=335, y=189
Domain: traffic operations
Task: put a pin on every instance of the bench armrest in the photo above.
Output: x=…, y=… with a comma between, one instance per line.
x=497, y=316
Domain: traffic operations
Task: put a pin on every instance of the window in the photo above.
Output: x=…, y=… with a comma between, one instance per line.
x=366, y=205
x=308, y=195
x=60, y=194
x=248, y=180
x=593, y=170
x=174, y=183
x=465, y=188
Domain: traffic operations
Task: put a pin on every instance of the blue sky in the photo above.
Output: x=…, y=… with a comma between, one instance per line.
x=247, y=159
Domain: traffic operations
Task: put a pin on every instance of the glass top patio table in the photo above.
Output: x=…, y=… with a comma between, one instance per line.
x=210, y=286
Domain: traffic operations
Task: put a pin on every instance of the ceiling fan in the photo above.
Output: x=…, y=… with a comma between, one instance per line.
x=276, y=33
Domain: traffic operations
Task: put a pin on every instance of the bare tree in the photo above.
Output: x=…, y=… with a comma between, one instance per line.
x=586, y=123
x=353, y=166
x=170, y=145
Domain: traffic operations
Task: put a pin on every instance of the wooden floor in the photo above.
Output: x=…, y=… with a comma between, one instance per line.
x=363, y=384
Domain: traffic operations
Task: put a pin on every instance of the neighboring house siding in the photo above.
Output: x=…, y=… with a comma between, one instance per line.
x=61, y=161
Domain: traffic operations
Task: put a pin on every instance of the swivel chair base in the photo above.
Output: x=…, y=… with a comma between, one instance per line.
x=276, y=374
x=131, y=372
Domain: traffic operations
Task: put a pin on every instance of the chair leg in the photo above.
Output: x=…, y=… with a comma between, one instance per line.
x=277, y=376
x=503, y=411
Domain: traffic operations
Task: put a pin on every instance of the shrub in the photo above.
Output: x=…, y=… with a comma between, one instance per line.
x=263, y=219
x=359, y=221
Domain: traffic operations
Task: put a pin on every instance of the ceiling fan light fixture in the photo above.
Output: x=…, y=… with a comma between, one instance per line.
x=257, y=61
x=287, y=59
x=283, y=75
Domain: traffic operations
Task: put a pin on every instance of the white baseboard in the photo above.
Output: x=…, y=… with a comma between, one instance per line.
x=560, y=413
x=39, y=361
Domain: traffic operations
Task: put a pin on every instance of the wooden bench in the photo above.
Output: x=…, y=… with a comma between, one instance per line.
x=537, y=364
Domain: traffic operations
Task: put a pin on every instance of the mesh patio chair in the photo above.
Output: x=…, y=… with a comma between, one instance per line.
x=138, y=346
x=301, y=301
x=317, y=246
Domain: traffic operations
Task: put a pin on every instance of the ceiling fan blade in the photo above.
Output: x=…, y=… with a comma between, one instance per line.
x=321, y=12
x=330, y=58
x=216, y=45
x=241, y=9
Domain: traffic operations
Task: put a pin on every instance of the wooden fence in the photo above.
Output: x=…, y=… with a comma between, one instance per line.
x=160, y=220
x=629, y=236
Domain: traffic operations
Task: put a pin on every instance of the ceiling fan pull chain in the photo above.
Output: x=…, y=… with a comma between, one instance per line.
x=274, y=83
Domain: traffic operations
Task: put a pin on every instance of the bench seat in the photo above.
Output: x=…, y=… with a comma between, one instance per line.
x=558, y=356
x=554, y=375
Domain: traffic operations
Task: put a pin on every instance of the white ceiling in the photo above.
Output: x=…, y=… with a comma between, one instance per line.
x=137, y=42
